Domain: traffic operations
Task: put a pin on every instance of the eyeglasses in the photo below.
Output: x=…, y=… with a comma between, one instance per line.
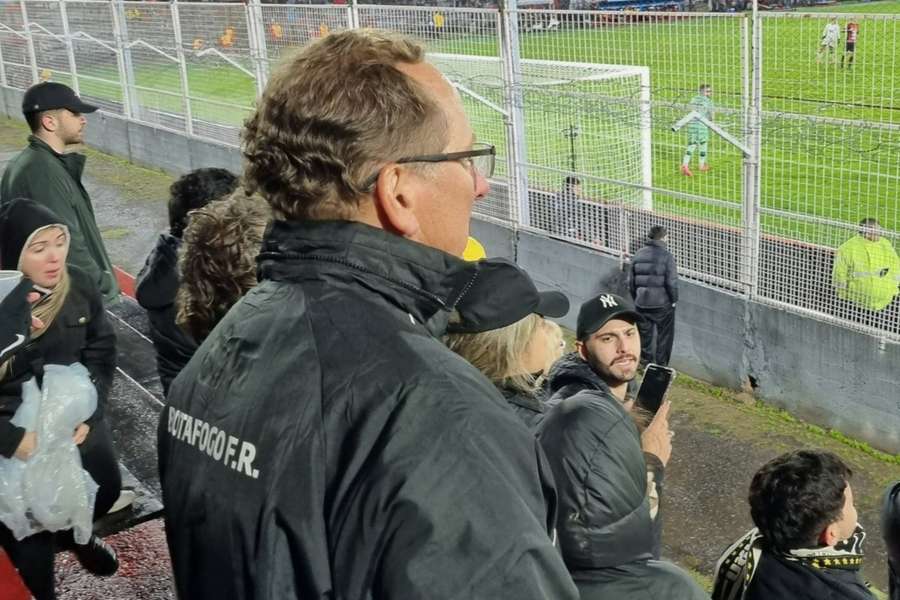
x=481, y=160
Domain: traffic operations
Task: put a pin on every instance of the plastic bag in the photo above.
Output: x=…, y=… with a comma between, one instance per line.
x=51, y=491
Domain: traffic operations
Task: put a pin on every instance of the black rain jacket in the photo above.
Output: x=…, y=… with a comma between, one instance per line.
x=324, y=443
x=157, y=285
x=81, y=333
x=606, y=533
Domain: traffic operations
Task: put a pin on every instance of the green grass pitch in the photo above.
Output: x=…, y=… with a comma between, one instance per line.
x=834, y=170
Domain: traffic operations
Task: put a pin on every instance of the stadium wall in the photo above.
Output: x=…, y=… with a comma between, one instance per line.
x=828, y=375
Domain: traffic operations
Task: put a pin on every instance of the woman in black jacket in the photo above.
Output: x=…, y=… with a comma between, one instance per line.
x=33, y=240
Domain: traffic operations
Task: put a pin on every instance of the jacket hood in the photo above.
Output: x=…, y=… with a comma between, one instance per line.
x=19, y=220
x=158, y=281
x=433, y=284
x=594, y=451
x=570, y=375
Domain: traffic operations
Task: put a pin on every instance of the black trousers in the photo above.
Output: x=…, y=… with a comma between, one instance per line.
x=661, y=322
x=33, y=556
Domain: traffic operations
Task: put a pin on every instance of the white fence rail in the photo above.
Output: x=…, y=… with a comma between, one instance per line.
x=810, y=141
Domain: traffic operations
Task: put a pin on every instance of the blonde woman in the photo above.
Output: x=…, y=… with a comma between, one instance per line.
x=512, y=345
x=33, y=240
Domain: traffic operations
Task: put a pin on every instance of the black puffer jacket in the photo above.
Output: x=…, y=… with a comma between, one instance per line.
x=653, y=276
x=324, y=443
x=571, y=375
x=890, y=527
x=605, y=530
x=79, y=333
x=157, y=284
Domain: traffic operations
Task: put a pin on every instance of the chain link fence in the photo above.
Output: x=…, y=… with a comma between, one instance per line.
x=595, y=116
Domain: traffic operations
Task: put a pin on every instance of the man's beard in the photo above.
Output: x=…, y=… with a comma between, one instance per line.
x=605, y=371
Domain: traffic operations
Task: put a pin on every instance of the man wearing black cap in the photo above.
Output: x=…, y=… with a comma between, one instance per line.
x=653, y=282
x=47, y=174
x=595, y=379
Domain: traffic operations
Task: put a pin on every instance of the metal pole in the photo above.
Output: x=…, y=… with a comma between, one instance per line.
x=518, y=152
x=70, y=50
x=572, y=133
x=182, y=68
x=354, y=14
x=256, y=32
x=29, y=40
x=646, y=112
x=3, y=81
x=751, y=199
x=130, y=105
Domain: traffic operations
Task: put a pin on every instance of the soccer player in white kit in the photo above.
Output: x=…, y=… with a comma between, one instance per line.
x=830, y=36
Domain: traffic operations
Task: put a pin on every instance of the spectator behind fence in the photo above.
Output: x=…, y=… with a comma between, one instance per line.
x=514, y=357
x=158, y=281
x=653, y=282
x=323, y=442
x=807, y=544
x=566, y=217
x=866, y=268
x=890, y=528
x=218, y=260
x=35, y=241
x=599, y=372
x=607, y=534
x=49, y=175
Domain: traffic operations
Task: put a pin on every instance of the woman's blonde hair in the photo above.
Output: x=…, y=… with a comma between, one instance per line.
x=498, y=353
x=48, y=307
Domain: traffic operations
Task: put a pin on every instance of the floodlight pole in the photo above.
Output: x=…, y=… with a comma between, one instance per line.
x=572, y=132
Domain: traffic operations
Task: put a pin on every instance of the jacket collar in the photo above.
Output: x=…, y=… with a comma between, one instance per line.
x=658, y=243
x=573, y=374
x=425, y=282
x=72, y=161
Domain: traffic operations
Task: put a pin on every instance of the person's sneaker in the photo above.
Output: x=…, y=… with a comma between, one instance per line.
x=125, y=499
x=704, y=168
x=96, y=557
x=686, y=171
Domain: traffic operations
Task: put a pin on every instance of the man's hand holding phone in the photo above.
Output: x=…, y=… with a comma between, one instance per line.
x=657, y=438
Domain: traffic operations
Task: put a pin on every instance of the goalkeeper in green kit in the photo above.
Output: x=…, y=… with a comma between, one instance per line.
x=698, y=132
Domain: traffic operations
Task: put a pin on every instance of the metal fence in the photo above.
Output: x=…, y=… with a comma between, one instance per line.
x=805, y=142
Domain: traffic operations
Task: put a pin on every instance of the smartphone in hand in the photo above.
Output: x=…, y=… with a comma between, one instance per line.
x=655, y=386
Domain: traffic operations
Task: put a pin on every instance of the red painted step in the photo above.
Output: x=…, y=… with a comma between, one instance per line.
x=11, y=586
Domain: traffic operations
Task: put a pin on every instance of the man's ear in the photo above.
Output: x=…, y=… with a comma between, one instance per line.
x=395, y=199
x=581, y=349
x=830, y=536
x=49, y=121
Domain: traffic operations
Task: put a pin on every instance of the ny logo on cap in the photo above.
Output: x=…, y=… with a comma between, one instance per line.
x=607, y=300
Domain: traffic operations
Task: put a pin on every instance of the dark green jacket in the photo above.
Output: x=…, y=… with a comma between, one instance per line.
x=54, y=180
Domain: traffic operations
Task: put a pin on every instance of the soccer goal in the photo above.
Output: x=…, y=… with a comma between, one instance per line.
x=559, y=119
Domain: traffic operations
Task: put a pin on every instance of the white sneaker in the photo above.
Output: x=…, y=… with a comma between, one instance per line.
x=126, y=498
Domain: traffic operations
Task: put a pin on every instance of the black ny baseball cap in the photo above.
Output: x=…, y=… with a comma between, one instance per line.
x=597, y=311
x=502, y=294
x=50, y=95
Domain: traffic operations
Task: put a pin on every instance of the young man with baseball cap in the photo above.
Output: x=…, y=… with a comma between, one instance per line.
x=606, y=472
x=47, y=174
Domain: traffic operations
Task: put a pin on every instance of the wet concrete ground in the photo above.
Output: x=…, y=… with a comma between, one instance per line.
x=721, y=439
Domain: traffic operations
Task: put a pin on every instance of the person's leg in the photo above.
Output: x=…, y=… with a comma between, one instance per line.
x=686, y=159
x=99, y=459
x=704, y=146
x=665, y=335
x=646, y=327
x=33, y=558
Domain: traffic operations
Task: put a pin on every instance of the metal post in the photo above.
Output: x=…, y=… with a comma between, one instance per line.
x=70, y=50
x=256, y=33
x=572, y=132
x=354, y=14
x=646, y=112
x=3, y=81
x=29, y=41
x=751, y=199
x=182, y=68
x=518, y=152
x=131, y=106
